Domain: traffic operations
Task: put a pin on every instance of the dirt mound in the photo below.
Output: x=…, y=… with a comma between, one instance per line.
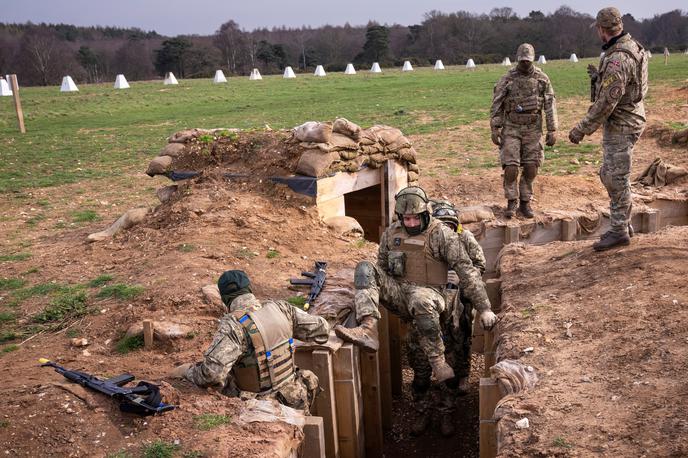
x=606, y=333
x=668, y=136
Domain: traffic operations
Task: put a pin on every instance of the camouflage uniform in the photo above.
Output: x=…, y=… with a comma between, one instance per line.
x=233, y=346
x=618, y=106
x=517, y=106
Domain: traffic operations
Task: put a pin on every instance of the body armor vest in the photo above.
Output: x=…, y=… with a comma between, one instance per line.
x=419, y=266
x=636, y=88
x=272, y=362
x=525, y=100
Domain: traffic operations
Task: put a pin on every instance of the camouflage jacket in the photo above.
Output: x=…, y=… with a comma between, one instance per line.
x=232, y=342
x=526, y=96
x=445, y=245
x=616, y=81
x=473, y=248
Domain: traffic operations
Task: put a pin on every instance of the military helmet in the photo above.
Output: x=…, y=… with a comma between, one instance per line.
x=445, y=212
x=411, y=200
x=525, y=52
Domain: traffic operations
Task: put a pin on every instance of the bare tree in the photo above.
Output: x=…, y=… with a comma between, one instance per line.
x=228, y=40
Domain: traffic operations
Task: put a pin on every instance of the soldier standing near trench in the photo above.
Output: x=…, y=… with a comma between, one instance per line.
x=519, y=98
x=410, y=278
x=619, y=85
x=252, y=351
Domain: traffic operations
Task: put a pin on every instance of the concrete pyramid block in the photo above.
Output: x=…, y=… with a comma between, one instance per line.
x=319, y=71
x=573, y=58
x=170, y=79
x=470, y=63
x=68, y=85
x=350, y=70
x=649, y=54
x=407, y=67
x=506, y=61
x=219, y=77
x=255, y=75
x=375, y=68
x=289, y=73
x=542, y=60
x=121, y=82
x=438, y=65
x=5, y=89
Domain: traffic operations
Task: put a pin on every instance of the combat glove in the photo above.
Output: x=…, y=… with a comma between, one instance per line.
x=551, y=138
x=488, y=319
x=592, y=72
x=576, y=135
x=496, y=138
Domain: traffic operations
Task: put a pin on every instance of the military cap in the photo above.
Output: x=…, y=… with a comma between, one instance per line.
x=608, y=18
x=525, y=52
x=232, y=281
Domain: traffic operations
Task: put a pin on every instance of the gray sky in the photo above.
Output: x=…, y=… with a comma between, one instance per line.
x=203, y=17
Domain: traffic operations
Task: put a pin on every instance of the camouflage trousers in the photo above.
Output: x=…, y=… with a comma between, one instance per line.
x=615, y=175
x=419, y=305
x=521, y=147
x=298, y=393
x=457, y=341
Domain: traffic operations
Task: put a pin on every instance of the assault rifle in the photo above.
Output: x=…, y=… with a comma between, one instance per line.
x=316, y=280
x=142, y=399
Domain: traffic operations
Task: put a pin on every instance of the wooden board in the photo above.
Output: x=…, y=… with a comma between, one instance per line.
x=385, y=370
x=343, y=183
x=17, y=103
x=372, y=414
x=396, y=344
x=313, y=438
x=325, y=402
x=347, y=387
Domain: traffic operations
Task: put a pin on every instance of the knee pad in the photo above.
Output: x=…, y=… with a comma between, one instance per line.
x=510, y=173
x=530, y=171
x=364, y=275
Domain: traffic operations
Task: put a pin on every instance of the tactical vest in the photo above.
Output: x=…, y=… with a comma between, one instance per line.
x=637, y=88
x=272, y=362
x=419, y=266
x=524, y=101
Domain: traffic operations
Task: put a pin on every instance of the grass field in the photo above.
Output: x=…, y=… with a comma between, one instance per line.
x=99, y=131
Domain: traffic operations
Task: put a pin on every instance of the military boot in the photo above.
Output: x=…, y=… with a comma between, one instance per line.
x=510, y=208
x=447, y=425
x=441, y=369
x=365, y=335
x=610, y=240
x=525, y=209
x=421, y=423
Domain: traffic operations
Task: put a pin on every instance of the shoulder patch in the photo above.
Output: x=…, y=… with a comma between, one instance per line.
x=397, y=241
x=615, y=92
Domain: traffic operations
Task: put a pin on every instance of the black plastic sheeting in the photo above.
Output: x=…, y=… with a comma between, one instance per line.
x=297, y=183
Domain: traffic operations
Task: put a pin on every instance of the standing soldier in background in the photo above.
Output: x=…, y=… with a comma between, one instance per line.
x=252, y=354
x=619, y=85
x=516, y=122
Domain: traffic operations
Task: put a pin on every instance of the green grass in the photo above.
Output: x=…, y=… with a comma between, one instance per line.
x=4, y=423
x=272, y=254
x=158, y=449
x=100, y=280
x=98, y=132
x=10, y=348
x=11, y=283
x=7, y=317
x=129, y=344
x=68, y=305
x=244, y=253
x=85, y=216
x=561, y=442
x=298, y=301
x=72, y=333
x=15, y=257
x=120, y=291
x=209, y=421
x=186, y=247
x=6, y=336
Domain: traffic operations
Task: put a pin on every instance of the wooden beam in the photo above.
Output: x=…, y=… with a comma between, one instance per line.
x=488, y=352
x=372, y=412
x=395, y=348
x=488, y=438
x=313, y=438
x=511, y=234
x=325, y=402
x=343, y=183
x=332, y=207
x=650, y=221
x=493, y=286
x=478, y=342
x=347, y=388
x=17, y=103
x=385, y=369
x=569, y=229
x=489, y=396
x=147, y=334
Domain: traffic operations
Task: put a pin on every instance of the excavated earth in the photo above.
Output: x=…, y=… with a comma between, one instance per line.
x=627, y=307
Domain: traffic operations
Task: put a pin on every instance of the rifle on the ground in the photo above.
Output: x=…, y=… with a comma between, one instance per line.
x=142, y=399
x=316, y=280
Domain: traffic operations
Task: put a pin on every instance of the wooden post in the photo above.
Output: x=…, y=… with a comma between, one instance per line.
x=325, y=402
x=478, y=343
x=313, y=438
x=395, y=348
x=385, y=369
x=511, y=234
x=493, y=286
x=147, y=334
x=650, y=222
x=569, y=229
x=489, y=396
x=347, y=388
x=372, y=413
x=488, y=352
x=17, y=103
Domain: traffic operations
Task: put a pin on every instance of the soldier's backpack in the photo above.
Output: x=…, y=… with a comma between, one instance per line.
x=641, y=60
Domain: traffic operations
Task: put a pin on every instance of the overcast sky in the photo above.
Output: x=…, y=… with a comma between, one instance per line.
x=203, y=17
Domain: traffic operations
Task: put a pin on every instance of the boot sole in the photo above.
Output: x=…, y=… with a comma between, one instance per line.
x=605, y=248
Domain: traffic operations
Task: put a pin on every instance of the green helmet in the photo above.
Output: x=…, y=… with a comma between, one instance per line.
x=412, y=200
x=445, y=212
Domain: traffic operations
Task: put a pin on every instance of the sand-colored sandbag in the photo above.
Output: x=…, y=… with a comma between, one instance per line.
x=372, y=149
x=513, y=376
x=166, y=192
x=401, y=142
x=345, y=127
x=413, y=176
x=324, y=147
x=172, y=150
x=387, y=135
x=315, y=163
x=343, y=225
x=313, y=131
x=184, y=136
x=413, y=168
x=339, y=142
x=475, y=213
x=368, y=137
x=211, y=295
x=355, y=164
x=159, y=166
x=126, y=221
x=347, y=155
x=162, y=330
x=408, y=154
x=660, y=173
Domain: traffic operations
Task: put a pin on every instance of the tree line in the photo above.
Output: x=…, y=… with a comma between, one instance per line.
x=40, y=54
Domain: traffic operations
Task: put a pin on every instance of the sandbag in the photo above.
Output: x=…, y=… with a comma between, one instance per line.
x=660, y=173
x=345, y=127
x=185, y=135
x=347, y=155
x=159, y=166
x=401, y=142
x=344, y=225
x=339, y=142
x=387, y=135
x=172, y=150
x=129, y=219
x=513, y=376
x=474, y=214
x=408, y=154
x=166, y=192
x=413, y=168
x=413, y=176
x=315, y=163
x=313, y=131
x=368, y=137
